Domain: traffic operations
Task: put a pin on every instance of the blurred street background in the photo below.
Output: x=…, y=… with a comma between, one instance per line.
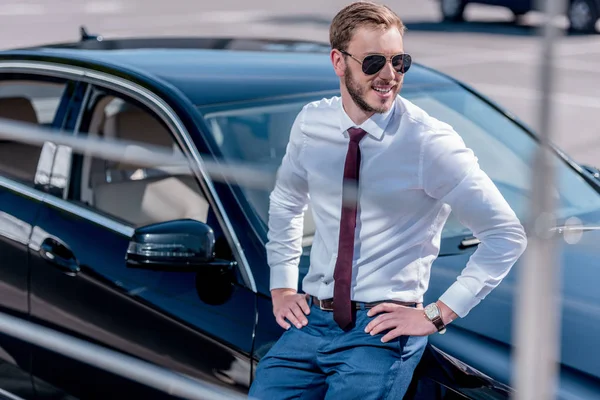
x=489, y=52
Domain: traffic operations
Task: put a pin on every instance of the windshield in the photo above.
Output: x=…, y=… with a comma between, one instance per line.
x=257, y=133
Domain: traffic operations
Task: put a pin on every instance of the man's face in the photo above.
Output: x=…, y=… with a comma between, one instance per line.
x=373, y=93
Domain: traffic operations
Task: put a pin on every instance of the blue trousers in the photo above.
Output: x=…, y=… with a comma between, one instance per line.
x=321, y=361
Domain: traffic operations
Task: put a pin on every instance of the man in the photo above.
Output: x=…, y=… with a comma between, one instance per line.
x=359, y=329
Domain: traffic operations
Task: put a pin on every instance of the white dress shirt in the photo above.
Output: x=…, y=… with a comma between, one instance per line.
x=414, y=170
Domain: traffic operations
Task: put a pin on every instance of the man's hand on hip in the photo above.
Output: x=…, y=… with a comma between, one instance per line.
x=287, y=303
x=400, y=320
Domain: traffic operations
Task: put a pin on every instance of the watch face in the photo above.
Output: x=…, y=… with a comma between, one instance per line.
x=432, y=311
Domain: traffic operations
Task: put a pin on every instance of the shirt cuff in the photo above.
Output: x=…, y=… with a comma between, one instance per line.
x=459, y=299
x=284, y=277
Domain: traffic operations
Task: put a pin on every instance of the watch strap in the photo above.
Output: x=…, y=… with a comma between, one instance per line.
x=439, y=323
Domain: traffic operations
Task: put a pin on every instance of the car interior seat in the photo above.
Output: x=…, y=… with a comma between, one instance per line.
x=141, y=195
x=19, y=159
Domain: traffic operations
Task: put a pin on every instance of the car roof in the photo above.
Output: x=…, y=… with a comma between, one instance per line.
x=218, y=70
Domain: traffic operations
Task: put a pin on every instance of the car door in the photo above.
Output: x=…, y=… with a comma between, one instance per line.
x=193, y=322
x=24, y=170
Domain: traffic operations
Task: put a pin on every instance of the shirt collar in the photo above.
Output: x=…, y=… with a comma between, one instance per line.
x=374, y=126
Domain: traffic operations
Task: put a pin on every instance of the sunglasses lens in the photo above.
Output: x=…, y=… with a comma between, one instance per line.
x=402, y=63
x=373, y=64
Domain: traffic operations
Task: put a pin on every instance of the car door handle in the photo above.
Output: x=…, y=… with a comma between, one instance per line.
x=59, y=255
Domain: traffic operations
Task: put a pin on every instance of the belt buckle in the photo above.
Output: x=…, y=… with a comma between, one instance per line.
x=325, y=308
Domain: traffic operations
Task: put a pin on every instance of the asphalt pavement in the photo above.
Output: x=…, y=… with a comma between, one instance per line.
x=489, y=52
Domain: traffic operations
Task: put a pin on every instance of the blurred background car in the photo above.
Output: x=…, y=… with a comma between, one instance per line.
x=582, y=14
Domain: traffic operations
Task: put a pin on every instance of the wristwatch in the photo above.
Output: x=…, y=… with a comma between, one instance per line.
x=434, y=314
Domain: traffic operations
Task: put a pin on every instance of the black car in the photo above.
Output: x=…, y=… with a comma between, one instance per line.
x=167, y=263
x=582, y=14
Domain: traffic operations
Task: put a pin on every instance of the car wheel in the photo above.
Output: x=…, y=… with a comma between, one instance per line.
x=582, y=15
x=453, y=10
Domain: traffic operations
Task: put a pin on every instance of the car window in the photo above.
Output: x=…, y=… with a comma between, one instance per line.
x=505, y=152
x=258, y=135
x=34, y=101
x=135, y=194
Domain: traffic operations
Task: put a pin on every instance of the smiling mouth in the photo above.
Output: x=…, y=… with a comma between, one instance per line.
x=383, y=88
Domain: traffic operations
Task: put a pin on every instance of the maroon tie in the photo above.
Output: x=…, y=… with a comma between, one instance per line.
x=342, y=306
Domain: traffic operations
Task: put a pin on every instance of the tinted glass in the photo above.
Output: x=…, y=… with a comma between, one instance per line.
x=28, y=101
x=402, y=62
x=135, y=194
x=373, y=64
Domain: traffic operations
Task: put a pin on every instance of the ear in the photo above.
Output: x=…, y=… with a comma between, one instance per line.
x=338, y=61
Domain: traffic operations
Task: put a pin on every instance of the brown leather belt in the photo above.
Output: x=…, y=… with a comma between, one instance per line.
x=327, y=304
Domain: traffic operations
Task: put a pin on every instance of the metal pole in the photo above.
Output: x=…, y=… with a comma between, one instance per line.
x=536, y=307
x=143, y=372
x=249, y=175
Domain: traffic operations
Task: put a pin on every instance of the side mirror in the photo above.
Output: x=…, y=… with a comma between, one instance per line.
x=180, y=245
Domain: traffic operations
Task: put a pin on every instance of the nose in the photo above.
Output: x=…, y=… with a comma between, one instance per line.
x=387, y=72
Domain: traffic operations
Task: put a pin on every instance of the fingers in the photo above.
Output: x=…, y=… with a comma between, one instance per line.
x=289, y=315
x=379, y=319
x=293, y=319
x=282, y=323
x=294, y=311
x=403, y=321
x=385, y=324
x=297, y=316
x=383, y=307
x=375, y=322
x=304, y=305
x=391, y=335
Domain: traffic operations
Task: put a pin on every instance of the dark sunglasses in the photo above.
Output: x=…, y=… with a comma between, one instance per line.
x=373, y=63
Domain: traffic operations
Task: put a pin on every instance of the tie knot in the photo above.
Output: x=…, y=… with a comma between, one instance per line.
x=356, y=134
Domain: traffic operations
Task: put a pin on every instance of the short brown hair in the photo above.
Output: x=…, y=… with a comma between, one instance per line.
x=359, y=14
